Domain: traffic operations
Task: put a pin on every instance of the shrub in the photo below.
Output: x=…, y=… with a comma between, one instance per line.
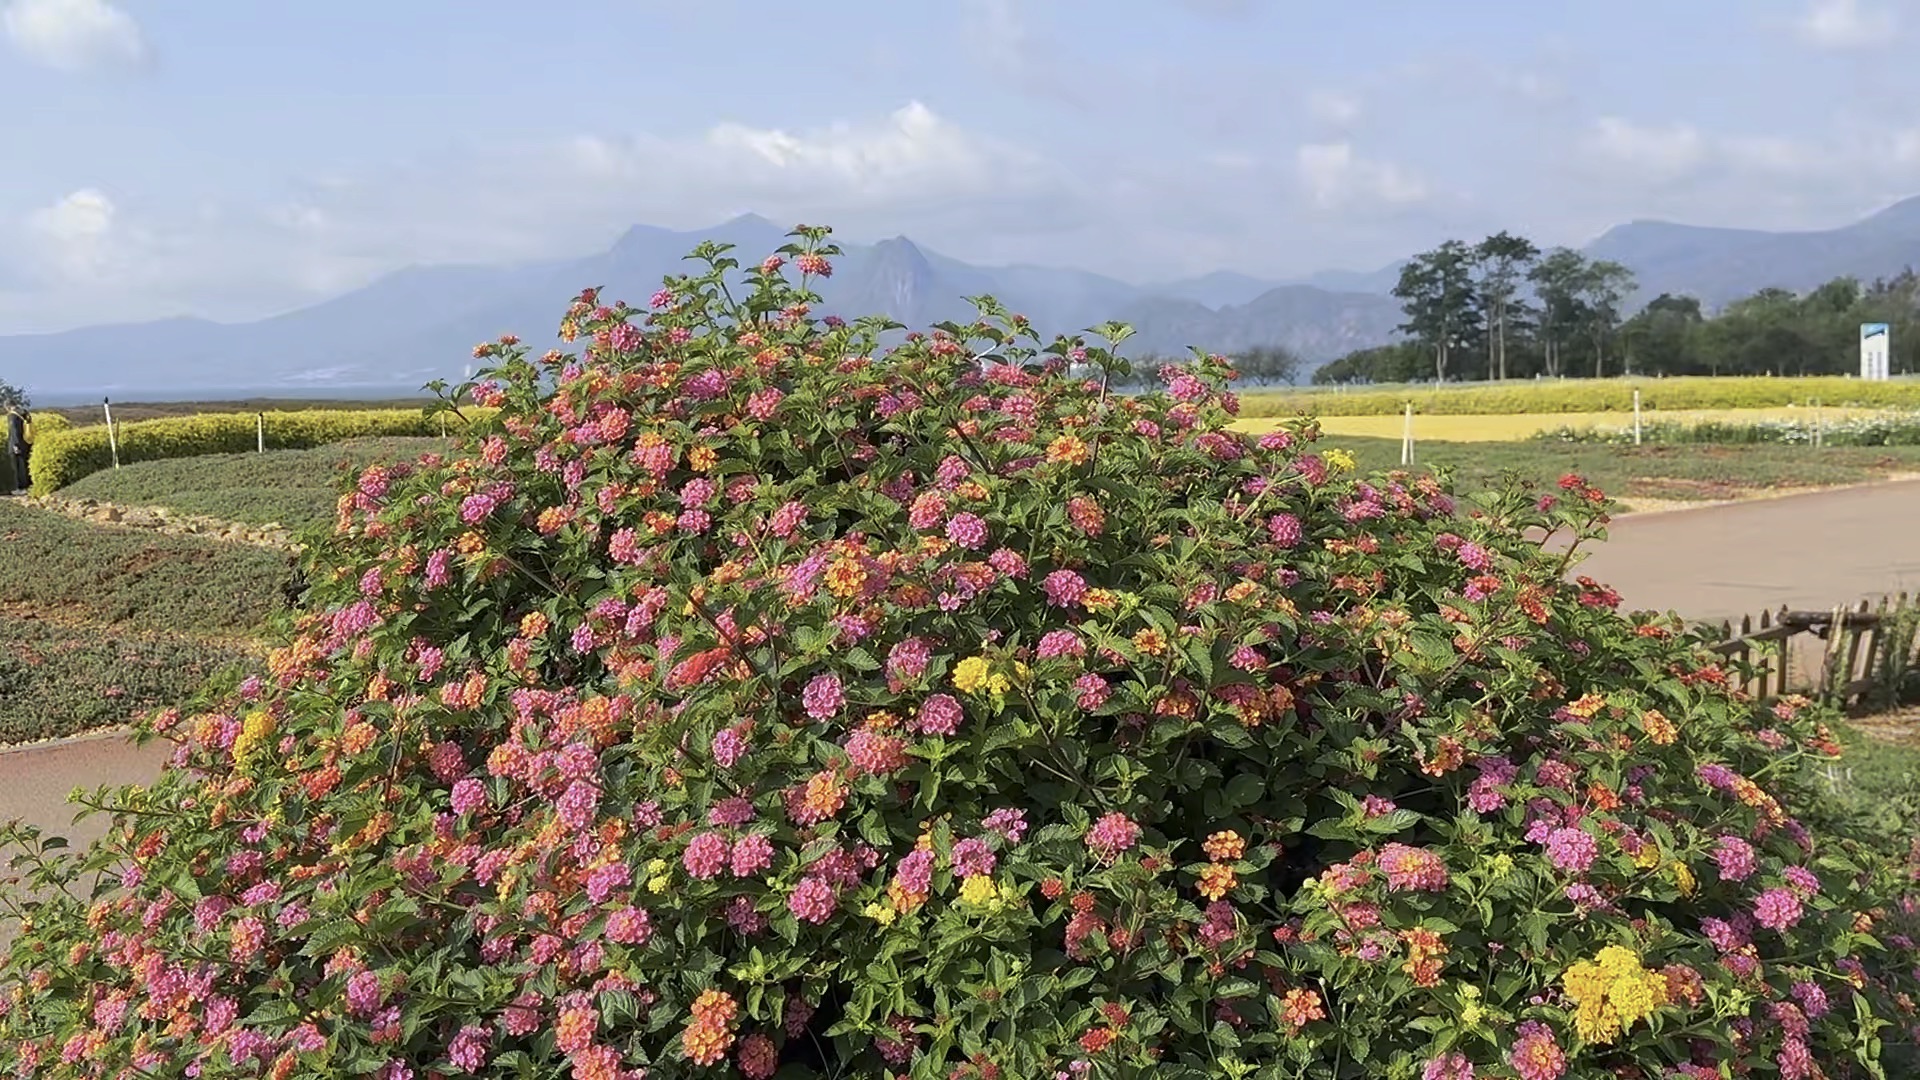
x=68, y=455
x=743, y=701
x=1593, y=395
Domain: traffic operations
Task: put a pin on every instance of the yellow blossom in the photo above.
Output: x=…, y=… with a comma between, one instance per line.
x=1339, y=460
x=255, y=730
x=881, y=914
x=1610, y=992
x=977, y=890
x=659, y=884
x=1588, y=706
x=1683, y=877
x=1499, y=866
x=971, y=674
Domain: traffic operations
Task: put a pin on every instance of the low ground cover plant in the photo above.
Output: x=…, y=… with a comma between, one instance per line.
x=1592, y=395
x=1890, y=429
x=58, y=678
x=744, y=701
x=113, y=578
x=295, y=488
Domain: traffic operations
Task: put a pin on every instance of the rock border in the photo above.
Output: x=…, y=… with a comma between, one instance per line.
x=166, y=522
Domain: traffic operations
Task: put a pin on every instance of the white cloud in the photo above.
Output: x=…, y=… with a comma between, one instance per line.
x=74, y=35
x=1335, y=176
x=1663, y=152
x=1333, y=108
x=73, y=237
x=911, y=156
x=1846, y=24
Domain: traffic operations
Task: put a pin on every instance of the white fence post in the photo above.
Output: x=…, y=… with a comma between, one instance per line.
x=1406, y=437
x=1636, y=417
x=260, y=431
x=113, y=441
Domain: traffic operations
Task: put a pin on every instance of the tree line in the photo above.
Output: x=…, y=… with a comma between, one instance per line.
x=1503, y=308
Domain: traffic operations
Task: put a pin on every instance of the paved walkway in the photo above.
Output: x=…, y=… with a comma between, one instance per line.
x=1809, y=552
x=35, y=780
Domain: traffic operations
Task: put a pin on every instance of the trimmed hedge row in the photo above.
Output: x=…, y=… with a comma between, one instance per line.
x=1591, y=395
x=65, y=456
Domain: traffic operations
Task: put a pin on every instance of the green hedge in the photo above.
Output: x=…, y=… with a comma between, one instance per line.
x=65, y=456
x=1589, y=395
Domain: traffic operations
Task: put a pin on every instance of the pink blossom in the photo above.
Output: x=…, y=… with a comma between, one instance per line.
x=468, y=1051
x=1572, y=850
x=940, y=714
x=823, y=697
x=972, y=858
x=876, y=753
x=752, y=853
x=908, y=659
x=469, y=796
x=967, y=530
x=1111, y=835
x=1449, y=1066
x=728, y=747
x=705, y=856
x=1064, y=588
x=1411, y=868
x=1058, y=643
x=1777, y=909
x=1008, y=822
x=1093, y=691
x=812, y=900
x=1285, y=530
x=629, y=926
x=1735, y=858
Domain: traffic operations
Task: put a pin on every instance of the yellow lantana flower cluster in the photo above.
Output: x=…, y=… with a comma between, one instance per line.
x=1610, y=992
x=255, y=730
x=978, y=675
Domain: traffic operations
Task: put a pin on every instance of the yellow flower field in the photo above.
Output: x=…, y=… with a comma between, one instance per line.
x=1518, y=426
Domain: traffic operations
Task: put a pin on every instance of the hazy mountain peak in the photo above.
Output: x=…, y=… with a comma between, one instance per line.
x=427, y=318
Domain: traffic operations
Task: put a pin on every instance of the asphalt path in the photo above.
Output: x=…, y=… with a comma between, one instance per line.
x=1808, y=552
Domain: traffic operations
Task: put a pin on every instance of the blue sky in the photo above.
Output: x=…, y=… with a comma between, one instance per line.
x=233, y=158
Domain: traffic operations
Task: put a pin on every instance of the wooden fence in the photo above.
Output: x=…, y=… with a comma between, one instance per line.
x=1860, y=656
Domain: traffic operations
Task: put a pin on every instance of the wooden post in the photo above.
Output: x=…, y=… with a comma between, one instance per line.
x=113, y=441
x=1636, y=416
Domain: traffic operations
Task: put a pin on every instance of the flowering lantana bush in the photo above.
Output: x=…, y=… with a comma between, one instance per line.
x=745, y=702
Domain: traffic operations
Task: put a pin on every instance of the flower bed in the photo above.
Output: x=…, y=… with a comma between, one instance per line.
x=744, y=701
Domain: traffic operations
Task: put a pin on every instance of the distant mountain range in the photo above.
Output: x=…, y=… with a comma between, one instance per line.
x=421, y=322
